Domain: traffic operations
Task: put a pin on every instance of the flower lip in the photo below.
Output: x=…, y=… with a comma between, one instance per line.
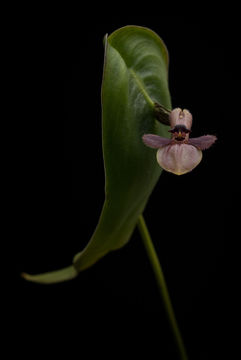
x=178, y=159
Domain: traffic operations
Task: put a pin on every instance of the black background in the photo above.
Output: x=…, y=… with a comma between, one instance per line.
x=114, y=307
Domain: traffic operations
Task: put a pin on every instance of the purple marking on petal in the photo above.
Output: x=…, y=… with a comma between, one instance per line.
x=202, y=142
x=155, y=141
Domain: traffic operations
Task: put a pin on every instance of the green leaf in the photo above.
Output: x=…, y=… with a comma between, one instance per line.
x=135, y=79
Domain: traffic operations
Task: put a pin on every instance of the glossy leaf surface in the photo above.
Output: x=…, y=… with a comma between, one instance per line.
x=135, y=78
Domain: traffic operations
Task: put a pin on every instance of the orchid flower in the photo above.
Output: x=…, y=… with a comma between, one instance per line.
x=180, y=154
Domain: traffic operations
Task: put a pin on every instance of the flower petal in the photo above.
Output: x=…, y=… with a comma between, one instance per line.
x=181, y=117
x=155, y=141
x=179, y=158
x=202, y=142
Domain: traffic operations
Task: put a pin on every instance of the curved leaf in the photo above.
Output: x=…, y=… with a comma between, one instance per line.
x=135, y=79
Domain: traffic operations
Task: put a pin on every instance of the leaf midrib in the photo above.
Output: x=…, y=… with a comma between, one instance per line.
x=136, y=79
x=141, y=86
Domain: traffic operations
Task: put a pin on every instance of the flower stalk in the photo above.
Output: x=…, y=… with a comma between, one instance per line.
x=157, y=269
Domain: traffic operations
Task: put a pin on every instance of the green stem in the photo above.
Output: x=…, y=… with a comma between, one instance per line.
x=156, y=266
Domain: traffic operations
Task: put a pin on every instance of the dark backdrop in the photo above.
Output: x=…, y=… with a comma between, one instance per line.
x=60, y=192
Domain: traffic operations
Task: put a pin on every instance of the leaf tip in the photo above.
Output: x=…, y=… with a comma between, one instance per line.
x=52, y=277
x=105, y=39
x=25, y=275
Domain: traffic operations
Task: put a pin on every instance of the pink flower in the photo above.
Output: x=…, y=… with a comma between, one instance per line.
x=180, y=154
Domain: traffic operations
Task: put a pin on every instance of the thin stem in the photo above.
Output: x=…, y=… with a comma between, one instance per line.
x=156, y=266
